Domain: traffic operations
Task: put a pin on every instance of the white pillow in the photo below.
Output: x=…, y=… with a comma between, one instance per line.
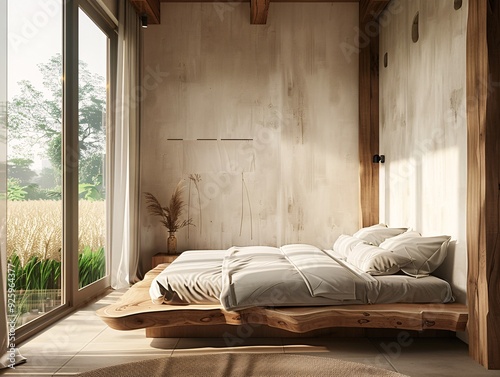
x=376, y=234
x=427, y=253
x=376, y=261
x=345, y=244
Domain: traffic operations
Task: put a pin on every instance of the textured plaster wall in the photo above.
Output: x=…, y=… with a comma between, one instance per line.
x=265, y=115
x=423, y=126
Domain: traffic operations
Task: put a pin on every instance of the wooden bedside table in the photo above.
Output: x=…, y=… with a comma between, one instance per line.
x=162, y=258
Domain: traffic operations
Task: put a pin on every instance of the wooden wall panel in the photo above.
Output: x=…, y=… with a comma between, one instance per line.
x=483, y=184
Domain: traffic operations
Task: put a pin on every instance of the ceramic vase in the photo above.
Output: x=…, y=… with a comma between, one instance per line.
x=172, y=243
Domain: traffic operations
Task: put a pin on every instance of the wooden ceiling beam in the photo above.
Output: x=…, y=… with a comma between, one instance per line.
x=258, y=8
x=258, y=11
x=246, y=1
x=151, y=8
x=371, y=9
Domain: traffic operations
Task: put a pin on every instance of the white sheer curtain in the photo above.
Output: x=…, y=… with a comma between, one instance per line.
x=9, y=355
x=124, y=161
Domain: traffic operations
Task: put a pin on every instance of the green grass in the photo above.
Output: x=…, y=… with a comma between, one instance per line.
x=91, y=266
x=40, y=278
x=36, y=274
x=41, y=274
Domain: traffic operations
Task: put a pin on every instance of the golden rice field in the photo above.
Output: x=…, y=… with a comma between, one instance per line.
x=34, y=228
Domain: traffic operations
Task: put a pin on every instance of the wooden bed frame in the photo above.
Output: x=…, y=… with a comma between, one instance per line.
x=135, y=310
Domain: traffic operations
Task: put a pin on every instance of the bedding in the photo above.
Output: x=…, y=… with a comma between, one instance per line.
x=376, y=234
x=376, y=261
x=344, y=244
x=292, y=275
x=426, y=253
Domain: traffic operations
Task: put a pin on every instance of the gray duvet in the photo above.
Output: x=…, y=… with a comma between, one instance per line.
x=292, y=275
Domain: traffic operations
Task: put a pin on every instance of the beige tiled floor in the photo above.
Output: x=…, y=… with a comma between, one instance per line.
x=83, y=342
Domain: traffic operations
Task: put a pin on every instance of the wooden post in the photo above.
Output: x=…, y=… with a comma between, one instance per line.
x=368, y=128
x=483, y=181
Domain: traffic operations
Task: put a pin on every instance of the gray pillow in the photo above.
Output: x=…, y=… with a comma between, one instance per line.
x=426, y=253
x=345, y=244
x=376, y=234
x=376, y=261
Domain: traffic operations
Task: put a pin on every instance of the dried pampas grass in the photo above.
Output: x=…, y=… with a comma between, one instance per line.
x=169, y=216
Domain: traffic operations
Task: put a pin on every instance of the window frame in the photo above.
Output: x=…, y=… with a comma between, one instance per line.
x=72, y=296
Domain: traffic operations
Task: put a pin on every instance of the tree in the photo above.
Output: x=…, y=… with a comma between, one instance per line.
x=20, y=169
x=35, y=117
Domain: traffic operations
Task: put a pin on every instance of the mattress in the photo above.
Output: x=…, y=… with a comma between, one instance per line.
x=293, y=275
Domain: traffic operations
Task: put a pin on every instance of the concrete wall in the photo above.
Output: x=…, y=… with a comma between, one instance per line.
x=279, y=105
x=423, y=126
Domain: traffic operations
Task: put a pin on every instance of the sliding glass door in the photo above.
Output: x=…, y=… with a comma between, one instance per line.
x=60, y=76
x=34, y=149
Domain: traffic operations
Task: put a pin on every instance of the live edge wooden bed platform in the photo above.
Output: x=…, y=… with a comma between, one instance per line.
x=134, y=310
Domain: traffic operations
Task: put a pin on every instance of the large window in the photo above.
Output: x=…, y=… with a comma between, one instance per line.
x=34, y=170
x=59, y=84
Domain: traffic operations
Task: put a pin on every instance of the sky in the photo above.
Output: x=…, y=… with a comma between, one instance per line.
x=35, y=35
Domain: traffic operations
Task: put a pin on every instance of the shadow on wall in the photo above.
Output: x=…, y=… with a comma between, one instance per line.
x=446, y=271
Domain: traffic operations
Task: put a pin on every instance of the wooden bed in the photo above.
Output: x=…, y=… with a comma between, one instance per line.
x=135, y=310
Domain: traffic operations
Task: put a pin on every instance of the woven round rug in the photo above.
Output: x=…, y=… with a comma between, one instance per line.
x=241, y=364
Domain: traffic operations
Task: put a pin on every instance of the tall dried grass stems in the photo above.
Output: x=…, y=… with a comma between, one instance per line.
x=34, y=228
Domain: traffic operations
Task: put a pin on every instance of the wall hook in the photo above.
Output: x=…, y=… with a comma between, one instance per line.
x=378, y=158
